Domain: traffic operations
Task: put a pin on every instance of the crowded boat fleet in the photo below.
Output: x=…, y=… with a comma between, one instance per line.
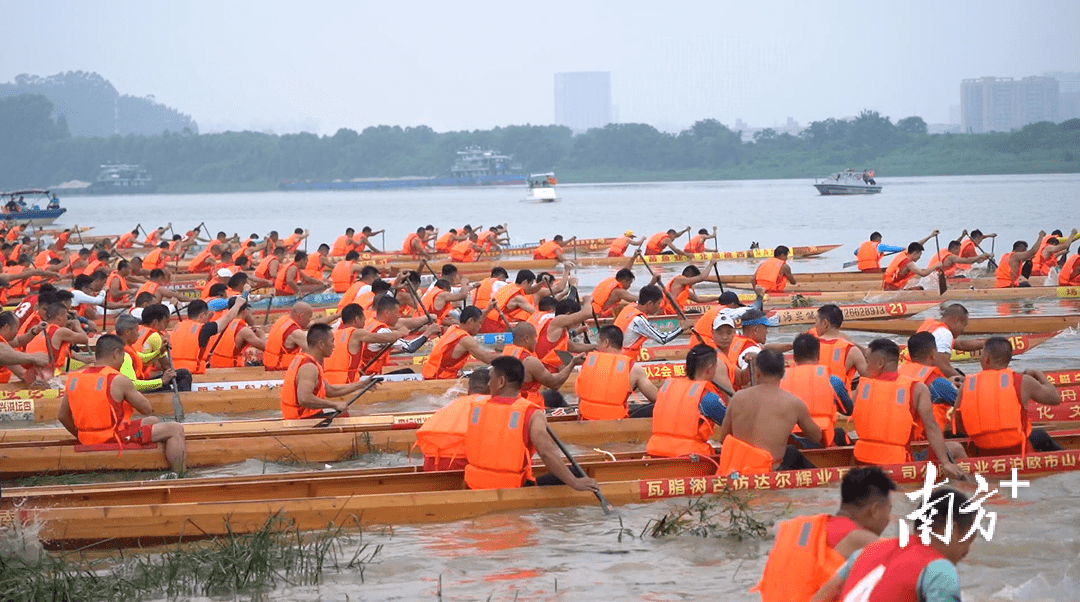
x=716, y=382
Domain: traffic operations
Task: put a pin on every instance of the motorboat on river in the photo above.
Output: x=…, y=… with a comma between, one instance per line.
x=848, y=182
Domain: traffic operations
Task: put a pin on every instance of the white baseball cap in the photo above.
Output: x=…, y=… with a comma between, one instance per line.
x=225, y=273
x=723, y=319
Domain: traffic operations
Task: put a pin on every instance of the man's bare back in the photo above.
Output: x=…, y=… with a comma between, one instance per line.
x=765, y=415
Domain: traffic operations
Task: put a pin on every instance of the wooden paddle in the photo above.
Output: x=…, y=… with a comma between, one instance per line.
x=993, y=264
x=942, y=285
x=604, y=504
x=371, y=384
x=178, y=408
x=269, y=304
x=667, y=293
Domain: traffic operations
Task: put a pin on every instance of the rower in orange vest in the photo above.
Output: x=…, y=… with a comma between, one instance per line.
x=842, y=357
x=100, y=401
x=488, y=286
x=292, y=242
x=363, y=240
x=505, y=431
x=454, y=347
x=969, y=247
x=607, y=295
x=869, y=253
x=633, y=321
x=287, y=338
x=1011, y=264
x=682, y=290
x=887, y=408
x=390, y=329
x=759, y=420
x=56, y=339
x=439, y=300
x=226, y=350
x=536, y=373
x=368, y=275
x=512, y=300
x=924, y=569
x=552, y=249
x=271, y=264
x=663, y=243
x=467, y=250
x=1050, y=252
x=722, y=338
x=680, y=424
x=697, y=243
x=343, y=244
x=951, y=261
x=823, y=393
x=317, y=262
x=621, y=243
x=345, y=272
x=447, y=240
x=1070, y=272
x=902, y=269
x=292, y=280
x=993, y=404
x=774, y=274
x=815, y=546
x=190, y=338
x=442, y=436
x=305, y=392
x=954, y=320
x=553, y=332
x=414, y=244
x=922, y=367
x=10, y=342
x=154, y=237
x=608, y=378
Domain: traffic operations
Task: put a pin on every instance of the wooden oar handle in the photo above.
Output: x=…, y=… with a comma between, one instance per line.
x=604, y=504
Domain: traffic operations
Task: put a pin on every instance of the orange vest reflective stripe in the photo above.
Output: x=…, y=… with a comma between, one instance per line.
x=739, y=456
x=263, y=269
x=1070, y=272
x=42, y=343
x=625, y=317
x=495, y=444
x=97, y=416
x=800, y=562
x=602, y=294
x=407, y=246
x=340, y=367
x=290, y=407
x=869, y=257
x=891, y=279
x=656, y=246
x=618, y=246
x=696, y=244
x=677, y=426
x=343, y=276
x=225, y=354
x=603, y=386
x=114, y=277
x=314, y=266
x=940, y=258
x=442, y=244
x=739, y=344
x=366, y=354
x=833, y=355
x=283, y=277
x=883, y=420
x=811, y=384
x=886, y=572
x=441, y=363
x=991, y=410
x=442, y=436
x=276, y=356
x=1004, y=276
x=349, y=296
x=767, y=275
x=186, y=352
x=547, y=250
x=529, y=389
x=463, y=251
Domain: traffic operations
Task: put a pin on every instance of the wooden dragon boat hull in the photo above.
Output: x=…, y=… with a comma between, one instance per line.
x=316, y=501
x=976, y=325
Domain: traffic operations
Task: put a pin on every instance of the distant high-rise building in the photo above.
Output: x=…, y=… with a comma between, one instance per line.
x=583, y=100
x=1069, y=103
x=1001, y=104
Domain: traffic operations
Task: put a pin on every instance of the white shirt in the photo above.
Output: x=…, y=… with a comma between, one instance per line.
x=743, y=363
x=944, y=339
x=78, y=298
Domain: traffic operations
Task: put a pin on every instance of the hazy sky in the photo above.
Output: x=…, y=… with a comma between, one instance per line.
x=319, y=65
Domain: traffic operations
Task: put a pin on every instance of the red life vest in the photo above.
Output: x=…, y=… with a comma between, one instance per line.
x=885, y=572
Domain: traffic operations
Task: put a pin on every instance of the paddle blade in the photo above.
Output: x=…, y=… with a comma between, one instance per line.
x=942, y=285
x=1025, y=271
x=564, y=356
x=178, y=409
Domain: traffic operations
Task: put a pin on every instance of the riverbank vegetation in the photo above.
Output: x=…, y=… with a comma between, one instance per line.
x=38, y=151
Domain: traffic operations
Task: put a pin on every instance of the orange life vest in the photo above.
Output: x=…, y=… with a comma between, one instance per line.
x=618, y=246
x=547, y=250
x=601, y=295
x=926, y=375
x=883, y=419
x=428, y=301
x=154, y=259
x=738, y=345
x=991, y=410
x=343, y=276
x=186, y=352
x=291, y=243
x=442, y=436
x=200, y=262
x=1070, y=272
x=502, y=298
x=696, y=244
x=283, y=277
x=276, y=356
x=677, y=426
x=833, y=355
x=529, y=389
x=366, y=353
x=681, y=299
x=603, y=386
x=801, y=549
x=939, y=258
x=482, y=294
x=495, y=444
x=115, y=277
x=342, y=245
x=93, y=266
x=739, y=456
x=340, y=368
x=225, y=354
x=811, y=384
x=891, y=279
x=290, y=407
x=703, y=327
x=407, y=246
x=126, y=241
x=625, y=317
x=442, y=244
x=440, y=362
x=16, y=288
x=767, y=275
x=485, y=239
x=869, y=257
x=349, y=296
x=967, y=249
x=97, y=416
x=263, y=269
x=656, y=245
x=1040, y=265
x=148, y=287
x=314, y=266
x=463, y=251
x=1004, y=276
x=42, y=343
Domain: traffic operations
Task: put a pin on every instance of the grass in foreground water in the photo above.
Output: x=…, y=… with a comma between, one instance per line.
x=228, y=565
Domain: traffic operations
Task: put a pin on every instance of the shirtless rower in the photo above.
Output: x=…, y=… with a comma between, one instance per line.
x=759, y=420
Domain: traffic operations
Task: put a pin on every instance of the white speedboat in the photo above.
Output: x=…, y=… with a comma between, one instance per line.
x=848, y=182
x=542, y=188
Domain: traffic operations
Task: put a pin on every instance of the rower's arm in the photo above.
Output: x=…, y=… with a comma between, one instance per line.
x=925, y=410
x=306, y=383
x=786, y=273
x=840, y=390
x=67, y=335
x=248, y=336
x=551, y=456
x=857, y=359
x=968, y=344
x=810, y=429
x=299, y=340
x=65, y=417
x=552, y=380
x=1039, y=389
x=333, y=390
x=470, y=346
x=123, y=388
x=943, y=361
x=640, y=381
x=923, y=241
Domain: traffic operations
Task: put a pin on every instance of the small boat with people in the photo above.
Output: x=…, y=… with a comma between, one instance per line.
x=542, y=188
x=848, y=181
x=17, y=209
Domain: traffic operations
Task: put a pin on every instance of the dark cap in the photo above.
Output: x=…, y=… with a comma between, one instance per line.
x=730, y=298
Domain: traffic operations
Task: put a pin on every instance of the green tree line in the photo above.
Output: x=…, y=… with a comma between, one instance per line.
x=37, y=150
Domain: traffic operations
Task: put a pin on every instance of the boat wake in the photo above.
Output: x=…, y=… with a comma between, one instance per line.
x=1037, y=589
